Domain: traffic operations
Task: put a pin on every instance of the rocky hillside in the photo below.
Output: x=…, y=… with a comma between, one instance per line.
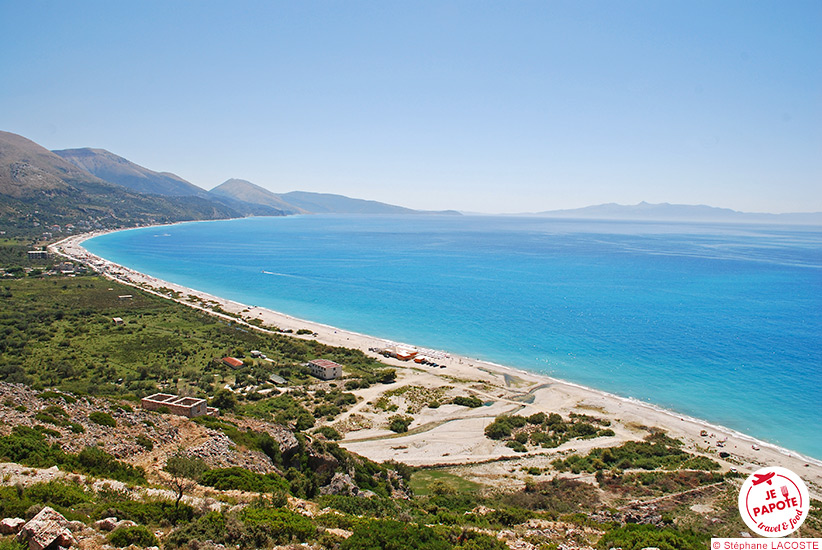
x=115, y=169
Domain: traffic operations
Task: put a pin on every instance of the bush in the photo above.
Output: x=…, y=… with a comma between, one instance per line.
x=240, y=479
x=144, y=442
x=27, y=446
x=224, y=400
x=12, y=544
x=149, y=512
x=103, y=419
x=137, y=535
x=57, y=493
x=276, y=525
x=99, y=463
x=371, y=535
x=329, y=433
x=399, y=423
x=635, y=537
x=211, y=526
x=470, y=401
x=503, y=426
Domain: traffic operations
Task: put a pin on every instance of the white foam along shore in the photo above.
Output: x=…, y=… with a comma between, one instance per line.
x=748, y=453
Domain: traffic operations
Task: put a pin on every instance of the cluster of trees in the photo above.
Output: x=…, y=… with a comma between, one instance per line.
x=548, y=431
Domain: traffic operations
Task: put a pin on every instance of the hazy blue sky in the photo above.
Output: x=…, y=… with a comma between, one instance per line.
x=485, y=106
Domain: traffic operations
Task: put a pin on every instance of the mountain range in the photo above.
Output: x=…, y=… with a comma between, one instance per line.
x=98, y=189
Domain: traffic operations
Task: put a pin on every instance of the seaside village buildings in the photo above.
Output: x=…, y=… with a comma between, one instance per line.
x=192, y=407
x=325, y=369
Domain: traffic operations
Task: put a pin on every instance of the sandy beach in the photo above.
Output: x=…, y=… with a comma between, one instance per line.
x=454, y=435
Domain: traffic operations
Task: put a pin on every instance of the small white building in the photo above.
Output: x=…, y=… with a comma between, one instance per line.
x=325, y=369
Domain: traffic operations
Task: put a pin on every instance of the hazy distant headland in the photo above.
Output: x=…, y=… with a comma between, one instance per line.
x=680, y=212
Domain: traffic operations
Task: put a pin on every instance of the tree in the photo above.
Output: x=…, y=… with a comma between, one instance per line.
x=185, y=472
x=224, y=400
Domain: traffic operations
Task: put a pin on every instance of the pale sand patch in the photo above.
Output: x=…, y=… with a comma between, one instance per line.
x=454, y=435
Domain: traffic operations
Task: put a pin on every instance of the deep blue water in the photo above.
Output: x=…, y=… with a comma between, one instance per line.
x=720, y=322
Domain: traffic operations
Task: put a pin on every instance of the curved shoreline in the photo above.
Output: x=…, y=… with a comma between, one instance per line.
x=460, y=367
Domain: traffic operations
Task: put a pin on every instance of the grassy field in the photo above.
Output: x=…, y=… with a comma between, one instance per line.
x=428, y=482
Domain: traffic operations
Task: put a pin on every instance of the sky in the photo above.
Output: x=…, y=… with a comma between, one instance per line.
x=484, y=106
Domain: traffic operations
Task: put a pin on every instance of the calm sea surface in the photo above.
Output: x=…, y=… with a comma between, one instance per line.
x=720, y=322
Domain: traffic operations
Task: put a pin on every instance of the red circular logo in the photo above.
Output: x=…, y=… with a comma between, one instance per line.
x=774, y=502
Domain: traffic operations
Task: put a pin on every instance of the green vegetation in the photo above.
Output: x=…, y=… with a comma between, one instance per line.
x=547, y=431
x=636, y=537
x=12, y=544
x=103, y=419
x=185, y=473
x=399, y=423
x=471, y=401
x=396, y=535
x=655, y=483
x=137, y=535
x=57, y=332
x=144, y=442
x=428, y=482
x=241, y=479
x=656, y=451
x=28, y=446
x=329, y=433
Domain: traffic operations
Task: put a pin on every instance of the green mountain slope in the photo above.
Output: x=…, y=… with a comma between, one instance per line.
x=39, y=189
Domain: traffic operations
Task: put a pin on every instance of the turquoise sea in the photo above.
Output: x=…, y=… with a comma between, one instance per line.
x=721, y=322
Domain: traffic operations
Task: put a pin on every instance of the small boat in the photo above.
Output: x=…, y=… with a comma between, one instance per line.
x=755, y=447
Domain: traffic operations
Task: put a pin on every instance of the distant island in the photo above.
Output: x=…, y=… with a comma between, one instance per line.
x=680, y=212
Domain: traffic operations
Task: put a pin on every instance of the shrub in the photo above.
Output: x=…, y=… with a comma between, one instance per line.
x=537, y=418
x=329, y=433
x=224, y=400
x=326, y=410
x=48, y=394
x=57, y=493
x=144, y=442
x=399, y=423
x=635, y=537
x=103, y=419
x=211, y=526
x=240, y=479
x=97, y=462
x=396, y=535
x=276, y=525
x=137, y=535
x=12, y=544
x=150, y=512
x=470, y=401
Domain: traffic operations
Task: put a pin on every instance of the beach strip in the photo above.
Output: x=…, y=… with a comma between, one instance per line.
x=452, y=444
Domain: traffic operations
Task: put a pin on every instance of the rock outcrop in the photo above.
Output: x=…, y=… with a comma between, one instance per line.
x=47, y=529
x=10, y=526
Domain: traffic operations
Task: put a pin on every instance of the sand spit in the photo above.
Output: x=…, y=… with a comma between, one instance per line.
x=451, y=435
